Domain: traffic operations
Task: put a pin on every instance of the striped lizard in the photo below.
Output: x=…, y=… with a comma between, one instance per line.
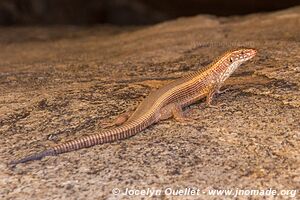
x=166, y=102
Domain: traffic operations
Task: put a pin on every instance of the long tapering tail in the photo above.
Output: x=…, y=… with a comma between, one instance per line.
x=111, y=135
x=37, y=156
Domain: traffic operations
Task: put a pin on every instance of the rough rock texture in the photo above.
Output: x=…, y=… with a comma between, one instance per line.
x=61, y=83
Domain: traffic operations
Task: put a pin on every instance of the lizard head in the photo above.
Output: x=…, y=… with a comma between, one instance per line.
x=241, y=55
x=233, y=59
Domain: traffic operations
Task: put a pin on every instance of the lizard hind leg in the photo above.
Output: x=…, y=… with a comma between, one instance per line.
x=121, y=119
x=175, y=111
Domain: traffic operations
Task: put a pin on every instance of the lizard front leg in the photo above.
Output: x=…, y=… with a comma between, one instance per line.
x=222, y=91
x=211, y=92
x=209, y=97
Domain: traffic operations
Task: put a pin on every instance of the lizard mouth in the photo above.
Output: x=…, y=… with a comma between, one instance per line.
x=248, y=53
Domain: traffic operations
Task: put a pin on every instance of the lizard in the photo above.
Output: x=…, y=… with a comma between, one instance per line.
x=166, y=102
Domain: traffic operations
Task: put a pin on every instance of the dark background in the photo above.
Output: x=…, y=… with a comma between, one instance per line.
x=125, y=12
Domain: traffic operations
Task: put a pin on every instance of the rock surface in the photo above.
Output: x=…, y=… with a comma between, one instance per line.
x=61, y=83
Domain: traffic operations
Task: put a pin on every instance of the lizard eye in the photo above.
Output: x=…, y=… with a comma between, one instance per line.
x=231, y=60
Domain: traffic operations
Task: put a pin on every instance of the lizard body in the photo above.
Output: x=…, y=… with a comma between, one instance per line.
x=161, y=104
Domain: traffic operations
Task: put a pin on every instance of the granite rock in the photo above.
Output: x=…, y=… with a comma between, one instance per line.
x=63, y=82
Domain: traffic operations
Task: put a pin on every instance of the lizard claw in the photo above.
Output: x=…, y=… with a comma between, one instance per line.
x=222, y=91
x=216, y=106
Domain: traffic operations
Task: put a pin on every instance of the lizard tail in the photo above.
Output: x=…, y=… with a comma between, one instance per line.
x=37, y=156
x=110, y=135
